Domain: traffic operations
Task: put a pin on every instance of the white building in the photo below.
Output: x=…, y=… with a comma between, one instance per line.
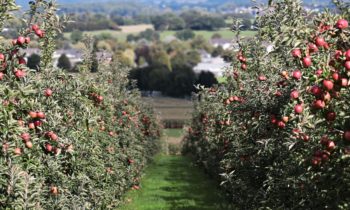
x=217, y=65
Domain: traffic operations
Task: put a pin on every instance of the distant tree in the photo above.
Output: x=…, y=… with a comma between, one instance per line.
x=227, y=56
x=94, y=63
x=168, y=21
x=185, y=58
x=141, y=75
x=76, y=36
x=150, y=35
x=247, y=24
x=200, y=43
x=131, y=38
x=181, y=82
x=185, y=34
x=216, y=36
x=159, y=79
x=207, y=79
x=155, y=55
x=118, y=19
x=202, y=21
x=122, y=59
x=33, y=61
x=64, y=62
x=218, y=51
x=104, y=36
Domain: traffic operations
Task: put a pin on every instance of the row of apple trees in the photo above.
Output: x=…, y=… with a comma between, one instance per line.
x=277, y=134
x=68, y=141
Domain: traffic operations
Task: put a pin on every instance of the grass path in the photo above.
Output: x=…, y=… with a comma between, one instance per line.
x=173, y=183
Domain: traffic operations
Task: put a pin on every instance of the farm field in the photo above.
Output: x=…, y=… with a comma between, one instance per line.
x=135, y=29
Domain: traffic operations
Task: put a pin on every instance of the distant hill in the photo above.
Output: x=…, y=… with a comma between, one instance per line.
x=169, y=2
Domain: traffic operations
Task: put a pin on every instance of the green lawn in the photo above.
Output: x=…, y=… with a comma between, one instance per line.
x=174, y=132
x=173, y=183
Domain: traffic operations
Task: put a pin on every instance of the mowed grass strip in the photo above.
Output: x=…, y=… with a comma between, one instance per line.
x=173, y=183
x=176, y=133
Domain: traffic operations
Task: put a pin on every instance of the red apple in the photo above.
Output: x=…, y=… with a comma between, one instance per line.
x=335, y=76
x=319, y=72
x=29, y=144
x=18, y=151
x=39, y=33
x=262, y=78
x=2, y=57
x=281, y=124
x=48, y=92
x=298, y=109
x=35, y=27
x=20, y=73
x=99, y=99
x=319, y=104
x=20, y=40
x=342, y=24
x=285, y=119
x=316, y=161
x=338, y=54
x=347, y=135
x=307, y=62
x=320, y=42
x=330, y=116
x=1, y=75
x=21, y=60
x=27, y=40
x=40, y=115
x=344, y=82
x=48, y=147
x=278, y=93
x=312, y=48
x=294, y=94
x=347, y=55
x=54, y=137
x=31, y=125
x=305, y=138
x=347, y=65
x=316, y=90
x=54, y=190
x=25, y=137
x=37, y=123
x=296, y=53
x=330, y=146
x=33, y=115
x=327, y=84
x=297, y=74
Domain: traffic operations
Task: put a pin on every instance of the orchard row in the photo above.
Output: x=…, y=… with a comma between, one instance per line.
x=277, y=134
x=68, y=141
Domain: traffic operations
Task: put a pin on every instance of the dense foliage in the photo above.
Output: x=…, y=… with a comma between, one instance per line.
x=277, y=134
x=68, y=141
